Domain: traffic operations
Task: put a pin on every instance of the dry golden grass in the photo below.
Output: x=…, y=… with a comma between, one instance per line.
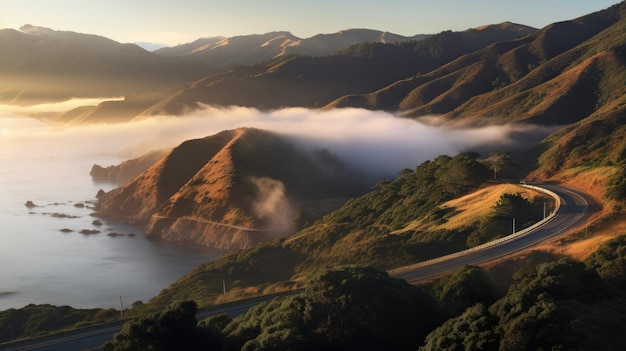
x=476, y=205
x=591, y=180
x=469, y=208
x=605, y=224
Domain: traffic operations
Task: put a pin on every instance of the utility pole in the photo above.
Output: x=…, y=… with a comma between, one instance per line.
x=121, y=309
x=513, y=225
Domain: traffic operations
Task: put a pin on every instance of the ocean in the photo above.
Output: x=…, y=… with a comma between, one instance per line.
x=56, y=252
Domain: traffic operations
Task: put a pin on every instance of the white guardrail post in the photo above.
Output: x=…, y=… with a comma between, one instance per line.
x=557, y=205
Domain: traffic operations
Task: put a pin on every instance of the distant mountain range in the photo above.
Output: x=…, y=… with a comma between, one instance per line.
x=490, y=74
x=249, y=49
x=40, y=65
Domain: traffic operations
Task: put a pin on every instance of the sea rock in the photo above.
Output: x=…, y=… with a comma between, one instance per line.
x=30, y=204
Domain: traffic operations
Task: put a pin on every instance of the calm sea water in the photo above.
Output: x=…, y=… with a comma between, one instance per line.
x=40, y=263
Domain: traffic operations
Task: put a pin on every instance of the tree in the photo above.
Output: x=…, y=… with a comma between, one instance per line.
x=175, y=328
x=462, y=289
x=473, y=330
x=498, y=161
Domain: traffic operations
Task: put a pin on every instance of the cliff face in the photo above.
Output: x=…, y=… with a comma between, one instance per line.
x=231, y=190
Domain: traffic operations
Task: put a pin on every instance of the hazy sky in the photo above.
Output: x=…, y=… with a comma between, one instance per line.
x=179, y=21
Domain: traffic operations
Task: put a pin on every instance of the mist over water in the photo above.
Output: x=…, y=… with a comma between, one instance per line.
x=50, y=166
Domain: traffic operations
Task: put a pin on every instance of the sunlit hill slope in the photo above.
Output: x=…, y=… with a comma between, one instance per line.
x=230, y=190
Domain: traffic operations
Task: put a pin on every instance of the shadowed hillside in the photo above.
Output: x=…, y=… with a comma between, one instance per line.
x=555, y=76
x=39, y=65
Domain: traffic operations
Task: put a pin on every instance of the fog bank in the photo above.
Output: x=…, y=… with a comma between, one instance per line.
x=377, y=142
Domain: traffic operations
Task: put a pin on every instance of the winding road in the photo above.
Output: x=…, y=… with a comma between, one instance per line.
x=573, y=210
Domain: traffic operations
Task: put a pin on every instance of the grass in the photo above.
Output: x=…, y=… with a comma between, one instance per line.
x=462, y=212
x=607, y=223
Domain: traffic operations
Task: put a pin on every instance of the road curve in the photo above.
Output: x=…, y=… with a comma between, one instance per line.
x=574, y=210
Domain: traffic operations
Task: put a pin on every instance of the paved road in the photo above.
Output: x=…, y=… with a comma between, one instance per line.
x=574, y=210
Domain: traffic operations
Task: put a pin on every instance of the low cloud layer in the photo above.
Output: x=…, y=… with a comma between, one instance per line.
x=371, y=140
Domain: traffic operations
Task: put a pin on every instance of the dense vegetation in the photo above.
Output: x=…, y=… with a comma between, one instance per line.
x=557, y=305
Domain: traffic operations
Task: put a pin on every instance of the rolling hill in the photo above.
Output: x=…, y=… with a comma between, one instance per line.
x=288, y=81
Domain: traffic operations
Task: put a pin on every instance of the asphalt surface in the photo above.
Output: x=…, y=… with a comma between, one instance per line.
x=574, y=211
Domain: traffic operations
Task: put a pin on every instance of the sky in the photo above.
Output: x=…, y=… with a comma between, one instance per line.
x=172, y=22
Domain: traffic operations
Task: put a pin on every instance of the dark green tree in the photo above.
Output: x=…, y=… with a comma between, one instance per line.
x=175, y=328
x=464, y=288
x=498, y=161
x=345, y=308
x=510, y=207
x=472, y=330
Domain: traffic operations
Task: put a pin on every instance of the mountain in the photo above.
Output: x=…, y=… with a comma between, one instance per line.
x=41, y=65
x=231, y=190
x=249, y=49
